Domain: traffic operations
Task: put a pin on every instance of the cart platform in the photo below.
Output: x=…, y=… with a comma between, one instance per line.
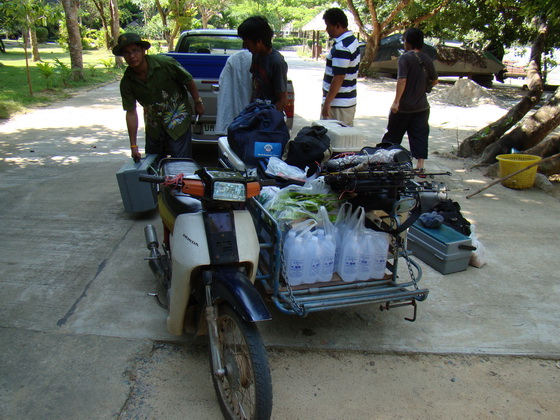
x=389, y=292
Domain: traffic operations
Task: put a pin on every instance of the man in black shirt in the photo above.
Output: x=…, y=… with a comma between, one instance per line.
x=410, y=110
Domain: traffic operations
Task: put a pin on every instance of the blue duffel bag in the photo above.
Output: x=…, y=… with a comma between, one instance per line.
x=258, y=132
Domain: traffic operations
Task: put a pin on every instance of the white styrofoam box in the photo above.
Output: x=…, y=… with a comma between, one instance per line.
x=343, y=137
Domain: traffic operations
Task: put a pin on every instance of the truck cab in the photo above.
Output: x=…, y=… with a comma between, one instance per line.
x=204, y=53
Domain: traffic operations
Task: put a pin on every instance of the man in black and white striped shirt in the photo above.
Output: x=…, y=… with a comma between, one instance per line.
x=341, y=71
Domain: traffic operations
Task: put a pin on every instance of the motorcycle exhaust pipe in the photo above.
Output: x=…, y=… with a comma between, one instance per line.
x=154, y=260
x=156, y=266
x=151, y=237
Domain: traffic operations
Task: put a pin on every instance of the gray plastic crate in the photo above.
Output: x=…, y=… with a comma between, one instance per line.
x=443, y=248
x=137, y=196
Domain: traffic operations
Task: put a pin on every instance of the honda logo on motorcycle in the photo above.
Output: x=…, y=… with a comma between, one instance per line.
x=190, y=240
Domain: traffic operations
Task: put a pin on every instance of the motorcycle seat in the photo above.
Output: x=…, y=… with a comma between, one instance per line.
x=177, y=202
x=174, y=167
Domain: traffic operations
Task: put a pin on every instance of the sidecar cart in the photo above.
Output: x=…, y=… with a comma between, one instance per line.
x=392, y=200
x=391, y=291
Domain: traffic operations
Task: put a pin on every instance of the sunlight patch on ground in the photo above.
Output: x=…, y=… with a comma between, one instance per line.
x=475, y=181
x=125, y=152
x=22, y=162
x=65, y=160
x=530, y=201
x=81, y=140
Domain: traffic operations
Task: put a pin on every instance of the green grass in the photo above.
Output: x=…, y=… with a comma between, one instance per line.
x=14, y=89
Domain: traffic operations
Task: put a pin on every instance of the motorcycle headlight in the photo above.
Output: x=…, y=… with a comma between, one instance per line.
x=229, y=191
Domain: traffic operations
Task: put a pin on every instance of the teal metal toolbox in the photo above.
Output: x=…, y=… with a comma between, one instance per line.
x=442, y=248
x=137, y=196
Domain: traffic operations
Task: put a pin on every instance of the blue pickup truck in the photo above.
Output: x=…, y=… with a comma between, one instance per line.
x=203, y=53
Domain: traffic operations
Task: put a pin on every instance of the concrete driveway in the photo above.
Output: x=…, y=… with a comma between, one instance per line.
x=75, y=318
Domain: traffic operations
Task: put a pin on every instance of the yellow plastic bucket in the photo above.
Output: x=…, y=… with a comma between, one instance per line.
x=514, y=162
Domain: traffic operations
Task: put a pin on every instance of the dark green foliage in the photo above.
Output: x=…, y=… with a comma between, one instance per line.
x=280, y=42
x=42, y=34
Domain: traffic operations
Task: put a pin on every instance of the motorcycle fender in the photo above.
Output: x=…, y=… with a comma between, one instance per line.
x=234, y=287
x=189, y=249
x=247, y=241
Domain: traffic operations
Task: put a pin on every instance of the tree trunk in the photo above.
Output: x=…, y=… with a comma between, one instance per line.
x=166, y=32
x=476, y=143
x=548, y=147
x=530, y=132
x=485, y=140
x=101, y=9
x=33, y=40
x=29, y=84
x=115, y=28
x=74, y=38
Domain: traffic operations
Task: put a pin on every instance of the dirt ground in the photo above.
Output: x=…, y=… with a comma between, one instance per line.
x=356, y=385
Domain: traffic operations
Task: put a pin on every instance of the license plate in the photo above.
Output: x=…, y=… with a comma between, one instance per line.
x=209, y=128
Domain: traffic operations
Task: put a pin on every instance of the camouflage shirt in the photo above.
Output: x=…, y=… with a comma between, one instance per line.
x=163, y=96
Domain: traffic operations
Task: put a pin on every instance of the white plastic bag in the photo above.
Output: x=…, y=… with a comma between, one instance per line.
x=350, y=249
x=295, y=265
x=277, y=167
x=478, y=256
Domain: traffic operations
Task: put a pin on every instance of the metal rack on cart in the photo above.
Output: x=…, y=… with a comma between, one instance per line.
x=389, y=292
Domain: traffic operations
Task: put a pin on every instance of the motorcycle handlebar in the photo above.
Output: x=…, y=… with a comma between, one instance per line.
x=154, y=179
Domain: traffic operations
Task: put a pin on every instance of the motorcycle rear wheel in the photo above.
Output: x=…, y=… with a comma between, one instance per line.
x=245, y=391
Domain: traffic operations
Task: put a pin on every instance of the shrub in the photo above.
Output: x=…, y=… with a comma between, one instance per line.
x=280, y=42
x=108, y=63
x=47, y=71
x=64, y=71
x=42, y=34
x=8, y=108
x=95, y=38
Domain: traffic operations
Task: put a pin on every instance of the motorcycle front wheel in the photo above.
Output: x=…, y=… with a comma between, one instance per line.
x=245, y=390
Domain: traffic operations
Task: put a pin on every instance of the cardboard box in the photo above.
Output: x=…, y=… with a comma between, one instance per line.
x=137, y=196
x=343, y=137
x=443, y=248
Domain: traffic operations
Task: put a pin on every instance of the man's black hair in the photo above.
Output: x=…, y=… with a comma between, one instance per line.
x=256, y=28
x=334, y=16
x=415, y=37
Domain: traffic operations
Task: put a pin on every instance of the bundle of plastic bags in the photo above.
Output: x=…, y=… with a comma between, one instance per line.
x=315, y=249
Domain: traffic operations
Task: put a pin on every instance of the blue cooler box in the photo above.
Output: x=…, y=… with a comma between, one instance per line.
x=442, y=248
x=137, y=196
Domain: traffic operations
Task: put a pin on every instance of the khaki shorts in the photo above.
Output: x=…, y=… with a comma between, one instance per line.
x=346, y=115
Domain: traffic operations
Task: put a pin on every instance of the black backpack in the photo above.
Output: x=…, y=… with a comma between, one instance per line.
x=310, y=148
x=452, y=217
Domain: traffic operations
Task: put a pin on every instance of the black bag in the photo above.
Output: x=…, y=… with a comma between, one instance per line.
x=426, y=75
x=310, y=148
x=452, y=217
x=258, y=132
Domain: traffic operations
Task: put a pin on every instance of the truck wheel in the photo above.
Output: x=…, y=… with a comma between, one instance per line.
x=245, y=391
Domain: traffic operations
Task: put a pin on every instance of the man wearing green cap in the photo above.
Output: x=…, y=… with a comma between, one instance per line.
x=160, y=85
